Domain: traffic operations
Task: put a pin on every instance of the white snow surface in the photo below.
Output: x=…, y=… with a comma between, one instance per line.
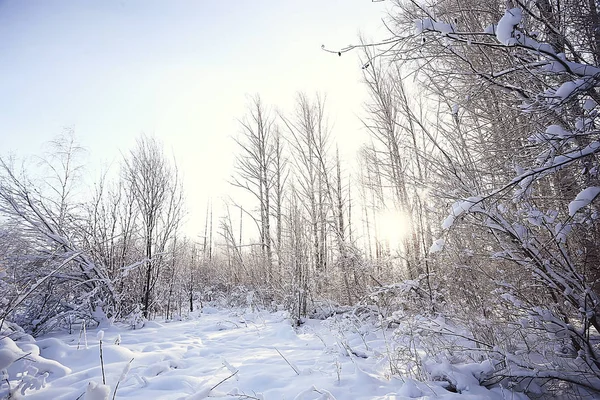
x=260, y=353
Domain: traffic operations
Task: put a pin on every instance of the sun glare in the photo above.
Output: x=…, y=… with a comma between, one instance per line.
x=392, y=226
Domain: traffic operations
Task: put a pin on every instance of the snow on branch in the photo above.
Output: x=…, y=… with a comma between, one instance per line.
x=459, y=208
x=429, y=24
x=583, y=199
x=506, y=26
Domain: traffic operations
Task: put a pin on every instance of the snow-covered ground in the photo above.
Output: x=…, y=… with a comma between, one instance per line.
x=231, y=355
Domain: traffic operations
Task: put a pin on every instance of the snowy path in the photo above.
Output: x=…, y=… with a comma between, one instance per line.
x=184, y=360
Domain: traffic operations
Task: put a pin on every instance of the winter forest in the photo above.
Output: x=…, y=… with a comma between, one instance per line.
x=460, y=258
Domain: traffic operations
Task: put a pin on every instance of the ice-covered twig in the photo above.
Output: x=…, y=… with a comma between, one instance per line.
x=122, y=377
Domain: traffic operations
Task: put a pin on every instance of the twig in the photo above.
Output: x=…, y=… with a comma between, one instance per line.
x=230, y=376
x=243, y=396
x=8, y=383
x=102, y=364
x=23, y=357
x=286, y=360
x=80, y=333
x=122, y=377
x=376, y=281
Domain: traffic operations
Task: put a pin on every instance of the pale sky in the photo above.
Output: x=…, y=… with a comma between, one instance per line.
x=178, y=70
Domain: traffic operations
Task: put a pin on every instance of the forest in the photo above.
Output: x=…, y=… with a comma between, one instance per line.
x=481, y=137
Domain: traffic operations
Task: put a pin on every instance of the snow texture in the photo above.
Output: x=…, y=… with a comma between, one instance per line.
x=96, y=391
x=7, y=357
x=583, y=199
x=235, y=355
x=557, y=131
x=562, y=231
x=567, y=90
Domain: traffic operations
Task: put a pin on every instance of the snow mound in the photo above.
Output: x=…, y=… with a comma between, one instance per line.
x=24, y=369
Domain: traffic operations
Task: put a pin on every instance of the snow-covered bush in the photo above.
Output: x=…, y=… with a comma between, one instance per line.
x=22, y=369
x=136, y=318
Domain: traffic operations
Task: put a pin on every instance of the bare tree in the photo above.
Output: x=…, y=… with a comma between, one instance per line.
x=279, y=177
x=309, y=139
x=155, y=185
x=256, y=171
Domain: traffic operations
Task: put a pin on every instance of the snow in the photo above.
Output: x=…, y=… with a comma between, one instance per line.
x=16, y=356
x=459, y=208
x=507, y=34
x=568, y=88
x=553, y=164
x=236, y=355
x=428, y=24
x=584, y=198
x=589, y=104
x=584, y=124
x=97, y=391
x=7, y=357
x=437, y=246
x=582, y=70
x=506, y=26
x=125, y=371
x=22, y=365
x=562, y=231
x=557, y=131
